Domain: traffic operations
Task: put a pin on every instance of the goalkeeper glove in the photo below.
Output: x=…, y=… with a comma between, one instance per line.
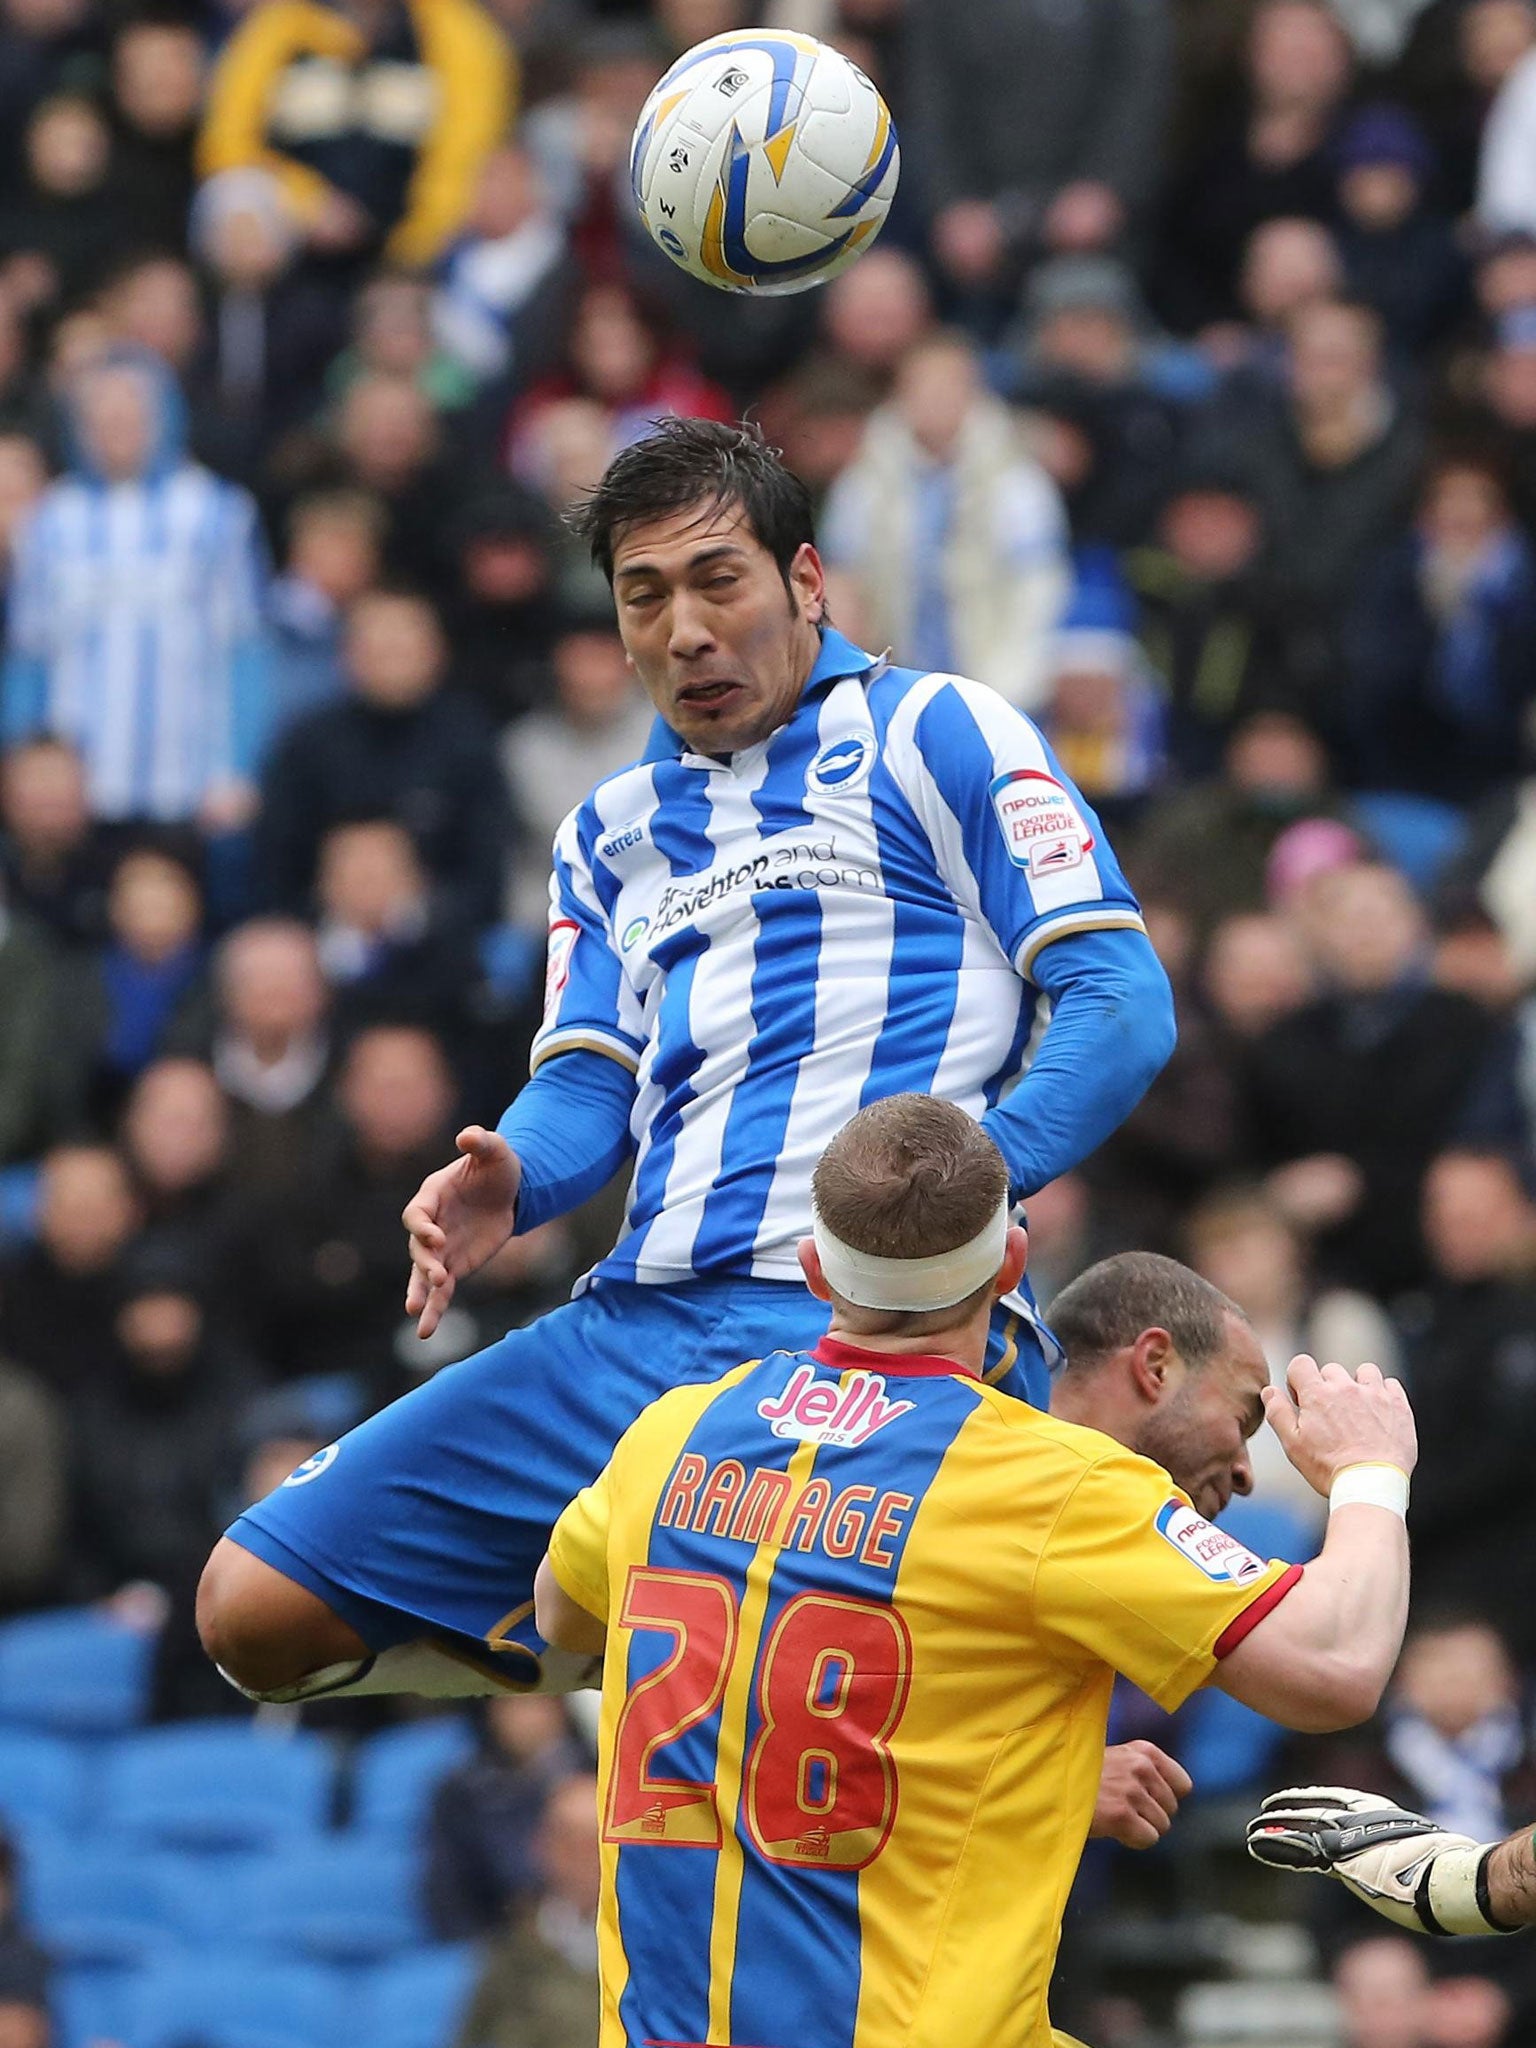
x=1402, y=1865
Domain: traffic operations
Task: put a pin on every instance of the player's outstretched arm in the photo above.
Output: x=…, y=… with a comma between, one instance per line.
x=457, y=1219
x=1321, y=1659
x=1402, y=1865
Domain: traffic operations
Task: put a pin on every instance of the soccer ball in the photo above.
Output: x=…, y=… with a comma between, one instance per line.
x=764, y=162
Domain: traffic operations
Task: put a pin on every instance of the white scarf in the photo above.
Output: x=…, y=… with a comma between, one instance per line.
x=1508, y=889
x=999, y=618
x=571, y=1934
x=1459, y=1782
x=272, y=1087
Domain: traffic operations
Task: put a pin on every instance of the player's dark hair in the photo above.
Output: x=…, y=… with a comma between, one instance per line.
x=909, y=1178
x=1106, y=1309
x=697, y=463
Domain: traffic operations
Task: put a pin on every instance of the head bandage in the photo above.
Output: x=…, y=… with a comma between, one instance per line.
x=913, y=1285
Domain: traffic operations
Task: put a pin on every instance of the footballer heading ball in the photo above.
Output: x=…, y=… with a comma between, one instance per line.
x=764, y=162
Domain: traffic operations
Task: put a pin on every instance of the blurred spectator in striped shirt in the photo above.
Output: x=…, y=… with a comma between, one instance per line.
x=135, y=622
x=953, y=540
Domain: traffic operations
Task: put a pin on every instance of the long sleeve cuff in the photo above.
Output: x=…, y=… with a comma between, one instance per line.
x=1111, y=1032
x=570, y=1128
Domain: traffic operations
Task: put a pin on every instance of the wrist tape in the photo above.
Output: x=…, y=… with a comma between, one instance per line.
x=1452, y=1895
x=1372, y=1486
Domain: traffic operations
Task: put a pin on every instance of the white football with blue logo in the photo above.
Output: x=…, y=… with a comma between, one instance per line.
x=764, y=162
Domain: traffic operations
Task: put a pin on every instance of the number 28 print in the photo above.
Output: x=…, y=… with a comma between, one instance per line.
x=818, y=1783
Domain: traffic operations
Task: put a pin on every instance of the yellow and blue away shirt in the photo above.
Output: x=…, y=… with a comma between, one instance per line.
x=864, y=1615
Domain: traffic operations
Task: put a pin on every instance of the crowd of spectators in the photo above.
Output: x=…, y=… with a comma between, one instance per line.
x=1188, y=400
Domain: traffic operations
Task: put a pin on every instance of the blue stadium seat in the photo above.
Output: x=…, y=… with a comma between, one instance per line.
x=74, y=1671
x=1418, y=834
x=42, y=1780
x=1226, y=1747
x=1271, y=1529
x=18, y=1205
x=419, y=2001
x=236, y=2000
x=204, y=1891
x=398, y=1771
x=345, y=1900
x=92, y=2005
x=511, y=959
x=216, y=1785
x=97, y=1906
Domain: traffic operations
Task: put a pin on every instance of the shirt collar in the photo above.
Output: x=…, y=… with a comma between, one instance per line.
x=845, y=1357
x=838, y=659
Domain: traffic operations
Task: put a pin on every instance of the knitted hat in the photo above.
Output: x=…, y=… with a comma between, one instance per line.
x=1385, y=135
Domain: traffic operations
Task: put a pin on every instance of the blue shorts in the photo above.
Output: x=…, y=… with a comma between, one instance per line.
x=432, y=1516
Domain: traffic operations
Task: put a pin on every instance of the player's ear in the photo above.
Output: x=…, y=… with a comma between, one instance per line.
x=810, y=1266
x=808, y=584
x=1015, y=1259
x=1153, y=1362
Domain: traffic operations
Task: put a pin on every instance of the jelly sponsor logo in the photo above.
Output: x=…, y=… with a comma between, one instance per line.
x=817, y=1411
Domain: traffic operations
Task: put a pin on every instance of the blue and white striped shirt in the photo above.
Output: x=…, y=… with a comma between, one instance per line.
x=845, y=911
x=134, y=631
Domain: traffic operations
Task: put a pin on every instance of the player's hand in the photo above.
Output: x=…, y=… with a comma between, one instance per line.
x=1382, y=1852
x=1331, y=1419
x=1139, y=1793
x=457, y=1218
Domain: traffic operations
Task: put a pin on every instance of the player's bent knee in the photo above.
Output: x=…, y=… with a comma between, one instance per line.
x=265, y=1632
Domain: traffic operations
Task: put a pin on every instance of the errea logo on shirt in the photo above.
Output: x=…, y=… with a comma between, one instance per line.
x=1209, y=1549
x=624, y=839
x=814, y=1411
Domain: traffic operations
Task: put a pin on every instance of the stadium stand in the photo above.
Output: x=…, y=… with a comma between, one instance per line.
x=74, y=1671
x=215, y=1786
x=1225, y=316
x=397, y=1771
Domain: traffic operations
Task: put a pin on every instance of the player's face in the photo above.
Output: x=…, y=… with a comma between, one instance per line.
x=722, y=647
x=1199, y=1433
